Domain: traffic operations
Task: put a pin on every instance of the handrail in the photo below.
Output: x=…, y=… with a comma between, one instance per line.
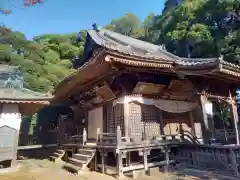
x=116, y=139
x=77, y=139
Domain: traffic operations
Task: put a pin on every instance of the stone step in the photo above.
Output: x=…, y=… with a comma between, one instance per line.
x=86, y=151
x=81, y=157
x=52, y=158
x=76, y=162
x=72, y=168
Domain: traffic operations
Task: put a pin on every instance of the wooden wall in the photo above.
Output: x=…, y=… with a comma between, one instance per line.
x=114, y=117
x=150, y=121
x=95, y=120
x=9, y=132
x=144, y=119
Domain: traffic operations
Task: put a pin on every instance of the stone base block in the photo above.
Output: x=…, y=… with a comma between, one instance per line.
x=164, y=169
x=136, y=174
x=153, y=172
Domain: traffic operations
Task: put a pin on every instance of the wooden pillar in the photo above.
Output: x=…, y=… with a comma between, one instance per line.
x=235, y=117
x=204, y=114
x=119, y=136
x=102, y=153
x=126, y=118
x=160, y=116
x=233, y=162
x=120, y=164
x=166, y=149
x=145, y=154
x=84, y=136
x=208, y=126
x=98, y=136
x=192, y=123
x=128, y=158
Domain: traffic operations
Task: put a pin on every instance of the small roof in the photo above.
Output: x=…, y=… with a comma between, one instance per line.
x=23, y=95
x=6, y=68
x=15, y=93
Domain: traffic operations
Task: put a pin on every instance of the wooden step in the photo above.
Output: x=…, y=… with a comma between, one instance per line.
x=86, y=151
x=55, y=159
x=57, y=154
x=81, y=157
x=72, y=168
x=60, y=151
x=52, y=158
x=76, y=162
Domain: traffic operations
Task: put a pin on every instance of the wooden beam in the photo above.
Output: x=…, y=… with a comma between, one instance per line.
x=235, y=116
x=204, y=114
x=192, y=123
x=126, y=118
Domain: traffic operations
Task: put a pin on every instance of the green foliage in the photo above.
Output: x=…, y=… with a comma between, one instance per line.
x=44, y=61
x=128, y=24
x=199, y=28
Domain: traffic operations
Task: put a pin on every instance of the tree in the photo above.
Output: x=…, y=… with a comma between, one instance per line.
x=199, y=29
x=128, y=24
x=170, y=4
x=43, y=62
x=15, y=3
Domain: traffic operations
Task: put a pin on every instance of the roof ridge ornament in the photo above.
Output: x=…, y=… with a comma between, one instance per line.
x=163, y=47
x=95, y=27
x=221, y=58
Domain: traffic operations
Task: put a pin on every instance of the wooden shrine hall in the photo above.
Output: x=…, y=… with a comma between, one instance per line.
x=133, y=101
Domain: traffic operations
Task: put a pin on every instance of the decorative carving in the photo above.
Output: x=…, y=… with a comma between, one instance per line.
x=148, y=88
x=105, y=92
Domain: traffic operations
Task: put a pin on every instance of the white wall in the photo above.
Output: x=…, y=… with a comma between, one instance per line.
x=95, y=120
x=10, y=116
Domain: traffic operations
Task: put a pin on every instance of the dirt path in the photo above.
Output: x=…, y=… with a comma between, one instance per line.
x=46, y=170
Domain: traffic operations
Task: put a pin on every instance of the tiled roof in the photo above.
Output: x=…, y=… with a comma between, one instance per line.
x=130, y=46
x=7, y=68
x=196, y=61
x=22, y=94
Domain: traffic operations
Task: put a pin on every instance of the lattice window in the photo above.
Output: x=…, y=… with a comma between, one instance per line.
x=118, y=114
x=110, y=121
x=151, y=121
x=135, y=121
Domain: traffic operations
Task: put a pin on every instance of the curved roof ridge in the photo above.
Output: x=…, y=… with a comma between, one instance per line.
x=199, y=59
x=131, y=46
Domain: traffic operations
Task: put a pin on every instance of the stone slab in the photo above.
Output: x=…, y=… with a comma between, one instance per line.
x=137, y=174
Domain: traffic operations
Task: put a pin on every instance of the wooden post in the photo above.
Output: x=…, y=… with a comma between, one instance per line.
x=98, y=135
x=120, y=165
x=161, y=121
x=102, y=160
x=95, y=162
x=129, y=158
x=203, y=100
x=84, y=136
x=234, y=164
x=145, y=154
x=235, y=116
x=192, y=123
x=167, y=157
x=119, y=136
x=126, y=118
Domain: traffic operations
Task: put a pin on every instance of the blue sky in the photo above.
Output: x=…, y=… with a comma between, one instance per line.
x=66, y=16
